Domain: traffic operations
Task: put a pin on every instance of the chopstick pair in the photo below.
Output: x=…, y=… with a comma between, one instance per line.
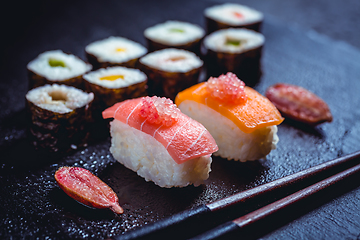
x=220, y=218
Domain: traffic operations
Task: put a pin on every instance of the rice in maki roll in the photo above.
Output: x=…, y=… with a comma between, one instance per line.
x=174, y=34
x=232, y=15
x=170, y=71
x=115, y=84
x=234, y=50
x=56, y=67
x=59, y=117
x=114, y=51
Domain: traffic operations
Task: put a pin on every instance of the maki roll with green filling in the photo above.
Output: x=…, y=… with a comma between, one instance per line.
x=174, y=34
x=232, y=15
x=56, y=67
x=234, y=50
x=170, y=71
x=115, y=84
x=59, y=117
x=114, y=51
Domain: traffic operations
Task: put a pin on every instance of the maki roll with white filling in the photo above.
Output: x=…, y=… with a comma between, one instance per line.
x=59, y=117
x=234, y=50
x=232, y=15
x=115, y=84
x=170, y=70
x=174, y=34
x=56, y=67
x=114, y=51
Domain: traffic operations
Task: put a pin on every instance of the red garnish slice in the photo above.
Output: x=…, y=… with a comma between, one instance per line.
x=227, y=88
x=86, y=188
x=158, y=110
x=238, y=15
x=298, y=103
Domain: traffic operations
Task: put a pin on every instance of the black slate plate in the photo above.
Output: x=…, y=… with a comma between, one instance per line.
x=32, y=206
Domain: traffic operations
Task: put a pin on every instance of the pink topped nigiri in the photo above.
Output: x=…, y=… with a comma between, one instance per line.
x=152, y=137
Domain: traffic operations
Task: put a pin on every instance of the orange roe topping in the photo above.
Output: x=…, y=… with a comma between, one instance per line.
x=227, y=88
x=158, y=110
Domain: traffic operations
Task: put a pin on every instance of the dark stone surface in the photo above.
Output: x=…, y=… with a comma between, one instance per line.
x=32, y=206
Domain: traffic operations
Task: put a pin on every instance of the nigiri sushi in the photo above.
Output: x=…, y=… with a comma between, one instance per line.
x=153, y=138
x=241, y=120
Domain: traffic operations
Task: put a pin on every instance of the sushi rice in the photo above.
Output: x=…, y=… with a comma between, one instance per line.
x=172, y=60
x=59, y=98
x=115, y=50
x=233, y=143
x=145, y=155
x=126, y=77
x=248, y=39
x=225, y=13
x=69, y=66
x=174, y=33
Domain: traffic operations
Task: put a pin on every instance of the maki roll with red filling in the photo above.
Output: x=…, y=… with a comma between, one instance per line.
x=232, y=15
x=174, y=34
x=59, y=117
x=114, y=51
x=56, y=67
x=170, y=71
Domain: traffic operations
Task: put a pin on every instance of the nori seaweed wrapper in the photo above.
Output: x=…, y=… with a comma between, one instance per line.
x=36, y=80
x=106, y=97
x=93, y=60
x=212, y=25
x=169, y=84
x=59, y=132
x=193, y=46
x=246, y=65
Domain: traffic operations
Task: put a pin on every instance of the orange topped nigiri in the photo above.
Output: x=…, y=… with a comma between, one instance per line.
x=241, y=120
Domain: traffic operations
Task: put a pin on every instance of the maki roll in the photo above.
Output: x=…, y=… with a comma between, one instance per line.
x=153, y=138
x=115, y=84
x=243, y=122
x=232, y=15
x=174, y=34
x=56, y=67
x=170, y=71
x=114, y=51
x=59, y=117
x=235, y=50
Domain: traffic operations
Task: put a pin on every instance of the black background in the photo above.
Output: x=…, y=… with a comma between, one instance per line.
x=309, y=43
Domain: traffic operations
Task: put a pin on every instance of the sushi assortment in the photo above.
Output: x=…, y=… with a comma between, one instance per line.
x=168, y=144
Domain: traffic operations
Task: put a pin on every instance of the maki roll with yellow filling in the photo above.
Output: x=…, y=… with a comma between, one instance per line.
x=59, y=117
x=234, y=50
x=170, y=71
x=174, y=34
x=115, y=84
x=232, y=15
x=56, y=67
x=114, y=51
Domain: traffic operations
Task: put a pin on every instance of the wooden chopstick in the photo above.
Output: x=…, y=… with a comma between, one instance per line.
x=198, y=220
x=229, y=229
